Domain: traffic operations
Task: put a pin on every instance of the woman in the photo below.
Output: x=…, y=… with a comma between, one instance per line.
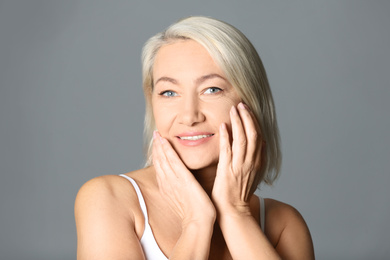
x=211, y=139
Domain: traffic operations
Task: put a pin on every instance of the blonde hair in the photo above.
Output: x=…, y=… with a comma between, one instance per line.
x=242, y=66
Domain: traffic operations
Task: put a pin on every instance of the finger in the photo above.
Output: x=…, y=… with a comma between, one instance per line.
x=172, y=158
x=157, y=159
x=166, y=176
x=158, y=153
x=161, y=177
x=162, y=157
x=253, y=116
x=225, y=152
x=252, y=133
x=155, y=152
x=239, y=138
x=166, y=173
x=163, y=174
x=254, y=148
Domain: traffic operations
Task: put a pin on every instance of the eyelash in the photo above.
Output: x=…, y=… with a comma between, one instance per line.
x=214, y=89
x=164, y=93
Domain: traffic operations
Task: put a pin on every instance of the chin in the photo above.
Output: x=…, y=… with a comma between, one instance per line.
x=198, y=157
x=194, y=162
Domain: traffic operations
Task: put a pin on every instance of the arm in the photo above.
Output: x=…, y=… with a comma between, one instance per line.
x=237, y=168
x=286, y=226
x=105, y=230
x=244, y=237
x=185, y=196
x=194, y=242
x=238, y=164
x=294, y=239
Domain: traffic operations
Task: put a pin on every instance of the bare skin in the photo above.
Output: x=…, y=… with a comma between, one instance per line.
x=115, y=232
x=205, y=154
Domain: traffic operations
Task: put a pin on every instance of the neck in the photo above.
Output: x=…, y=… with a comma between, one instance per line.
x=206, y=177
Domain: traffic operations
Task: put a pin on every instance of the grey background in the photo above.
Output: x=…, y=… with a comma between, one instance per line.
x=71, y=108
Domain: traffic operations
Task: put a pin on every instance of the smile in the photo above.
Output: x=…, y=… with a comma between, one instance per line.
x=194, y=137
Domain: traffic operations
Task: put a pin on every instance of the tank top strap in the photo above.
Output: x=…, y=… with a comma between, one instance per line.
x=262, y=214
x=139, y=195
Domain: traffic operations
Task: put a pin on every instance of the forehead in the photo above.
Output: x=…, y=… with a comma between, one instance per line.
x=184, y=57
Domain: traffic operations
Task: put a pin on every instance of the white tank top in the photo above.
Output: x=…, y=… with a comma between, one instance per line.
x=149, y=245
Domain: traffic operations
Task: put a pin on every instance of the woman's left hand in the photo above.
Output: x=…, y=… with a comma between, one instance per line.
x=238, y=163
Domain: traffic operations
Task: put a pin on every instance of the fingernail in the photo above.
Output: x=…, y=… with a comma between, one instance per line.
x=241, y=106
x=223, y=126
x=154, y=134
x=233, y=110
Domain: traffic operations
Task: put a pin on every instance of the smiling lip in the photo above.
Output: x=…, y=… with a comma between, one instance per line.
x=194, y=138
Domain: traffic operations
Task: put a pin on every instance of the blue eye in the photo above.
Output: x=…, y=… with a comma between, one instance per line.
x=212, y=90
x=168, y=93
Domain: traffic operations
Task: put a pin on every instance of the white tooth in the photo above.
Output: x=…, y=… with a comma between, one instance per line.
x=195, y=137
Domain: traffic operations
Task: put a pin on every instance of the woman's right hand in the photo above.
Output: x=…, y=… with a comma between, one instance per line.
x=179, y=187
x=187, y=198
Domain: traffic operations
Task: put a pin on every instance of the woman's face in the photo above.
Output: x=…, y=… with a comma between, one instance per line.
x=191, y=99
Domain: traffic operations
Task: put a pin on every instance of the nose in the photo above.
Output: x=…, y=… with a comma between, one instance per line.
x=190, y=112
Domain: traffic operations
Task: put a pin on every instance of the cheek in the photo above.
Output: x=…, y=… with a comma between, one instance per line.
x=221, y=111
x=163, y=119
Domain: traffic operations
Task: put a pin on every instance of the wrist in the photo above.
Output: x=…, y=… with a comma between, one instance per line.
x=236, y=209
x=196, y=229
x=194, y=241
x=200, y=223
x=237, y=218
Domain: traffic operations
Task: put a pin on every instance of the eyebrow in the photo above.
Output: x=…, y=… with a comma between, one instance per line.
x=197, y=81
x=167, y=79
x=207, y=77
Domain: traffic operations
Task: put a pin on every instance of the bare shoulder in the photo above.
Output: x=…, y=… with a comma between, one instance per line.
x=287, y=231
x=283, y=212
x=106, y=213
x=109, y=191
x=102, y=186
x=102, y=194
